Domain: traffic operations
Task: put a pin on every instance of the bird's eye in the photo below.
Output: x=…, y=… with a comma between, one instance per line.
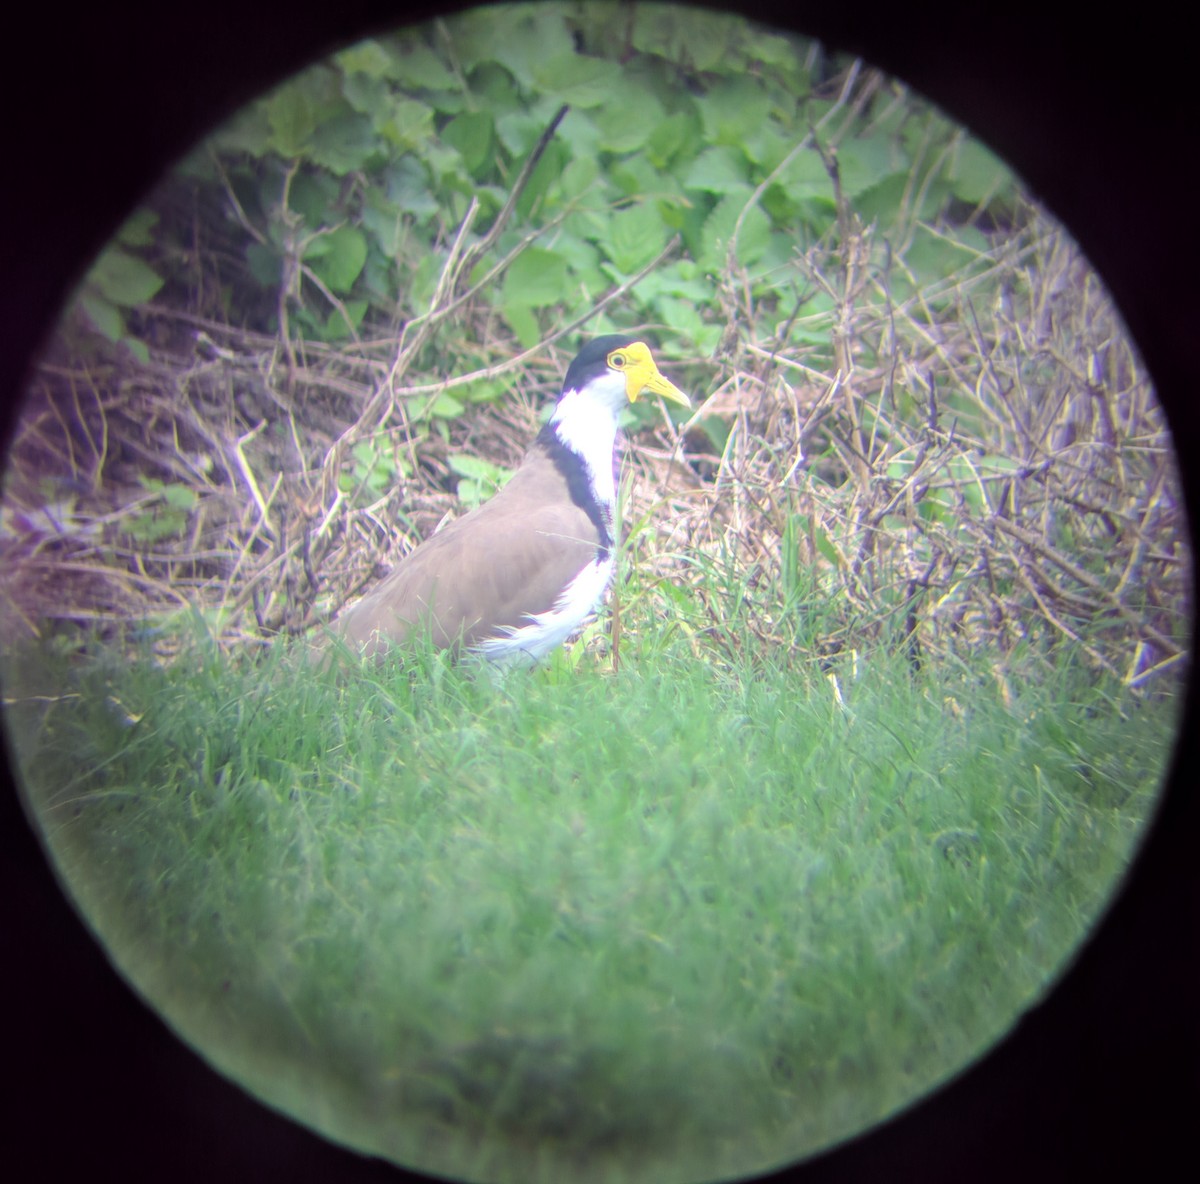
x=616, y=361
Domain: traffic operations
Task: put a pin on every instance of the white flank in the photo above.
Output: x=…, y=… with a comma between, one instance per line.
x=547, y=631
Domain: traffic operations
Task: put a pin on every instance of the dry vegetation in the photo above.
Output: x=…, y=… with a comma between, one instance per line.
x=984, y=463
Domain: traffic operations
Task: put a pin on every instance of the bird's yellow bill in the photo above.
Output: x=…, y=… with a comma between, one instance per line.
x=641, y=374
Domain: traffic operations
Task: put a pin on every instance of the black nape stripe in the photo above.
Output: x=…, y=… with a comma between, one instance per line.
x=570, y=464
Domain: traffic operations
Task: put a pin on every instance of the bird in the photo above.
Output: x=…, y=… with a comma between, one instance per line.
x=515, y=577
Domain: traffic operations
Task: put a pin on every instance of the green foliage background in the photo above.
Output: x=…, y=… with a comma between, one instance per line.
x=349, y=183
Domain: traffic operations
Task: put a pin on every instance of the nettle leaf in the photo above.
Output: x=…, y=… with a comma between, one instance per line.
x=933, y=257
x=443, y=405
x=179, y=497
x=687, y=36
x=124, y=278
x=408, y=124
x=734, y=110
x=136, y=229
x=675, y=137
x=291, y=122
x=338, y=257
x=366, y=95
x=864, y=162
x=545, y=175
x=636, y=177
x=718, y=170
x=814, y=322
x=576, y=79
x=419, y=66
x=882, y=201
x=345, y=144
x=976, y=174
x=582, y=256
x=752, y=239
x=248, y=131
x=535, y=278
x=579, y=176
x=806, y=177
x=337, y=327
x=369, y=58
x=476, y=468
x=523, y=323
x=519, y=131
x=520, y=36
x=774, y=49
x=384, y=223
x=473, y=134
x=676, y=279
x=298, y=108
x=495, y=86
x=103, y=314
x=767, y=147
x=313, y=194
x=407, y=184
x=628, y=118
x=635, y=236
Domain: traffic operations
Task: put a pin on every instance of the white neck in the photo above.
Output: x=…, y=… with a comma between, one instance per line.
x=586, y=422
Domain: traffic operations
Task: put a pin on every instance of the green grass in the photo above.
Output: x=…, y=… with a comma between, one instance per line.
x=683, y=921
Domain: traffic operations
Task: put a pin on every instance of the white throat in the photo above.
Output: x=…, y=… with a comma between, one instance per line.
x=586, y=422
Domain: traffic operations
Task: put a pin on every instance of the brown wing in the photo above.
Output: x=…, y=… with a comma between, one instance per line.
x=508, y=558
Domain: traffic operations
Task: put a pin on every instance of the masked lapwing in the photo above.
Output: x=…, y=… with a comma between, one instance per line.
x=518, y=575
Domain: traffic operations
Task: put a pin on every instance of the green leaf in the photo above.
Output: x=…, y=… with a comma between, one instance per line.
x=523, y=323
x=627, y=118
x=366, y=95
x=124, y=278
x=179, y=497
x=636, y=235
x=313, y=195
x=297, y=109
x=578, y=176
x=753, y=237
x=345, y=144
x=136, y=230
x=368, y=57
x=473, y=134
x=406, y=182
x=494, y=85
x=776, y=50
x=674, y=137
x=863, y=162
x=733, y=110
x=576, y=79
x=977, y=174
x=933, y=257
x=417, y=65
x=717, y=170
x=445, y=406
x=338, y=257
x=685, y=35
x=540, y=188
x=535, y=278
x=476, y=468
x=104, y=315
x=408, y=124
x=336, y=328
x=248, y=131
